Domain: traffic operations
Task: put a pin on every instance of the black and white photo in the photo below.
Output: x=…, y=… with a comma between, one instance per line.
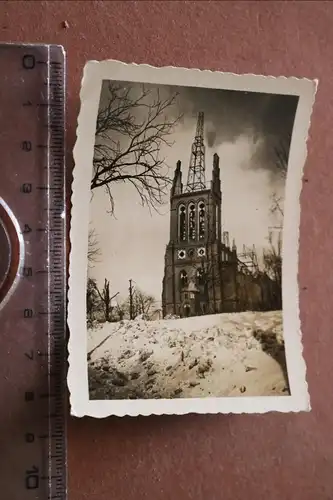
x=184, y=242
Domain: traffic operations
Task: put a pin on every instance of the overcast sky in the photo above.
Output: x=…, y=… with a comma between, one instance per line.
x=243, y=129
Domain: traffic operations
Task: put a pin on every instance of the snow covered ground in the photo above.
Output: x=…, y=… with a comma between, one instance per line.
x=216, y=355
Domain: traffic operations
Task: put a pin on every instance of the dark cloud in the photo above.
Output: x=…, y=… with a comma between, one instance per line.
x=211, y=137
x=267, y=119
x=231, y=113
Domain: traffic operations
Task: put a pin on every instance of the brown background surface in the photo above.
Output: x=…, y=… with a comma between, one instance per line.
x=227, y=457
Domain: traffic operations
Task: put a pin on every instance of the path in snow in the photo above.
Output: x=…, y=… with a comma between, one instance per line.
x=239, y=354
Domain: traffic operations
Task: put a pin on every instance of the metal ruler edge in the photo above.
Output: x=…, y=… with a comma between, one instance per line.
x=46, y=476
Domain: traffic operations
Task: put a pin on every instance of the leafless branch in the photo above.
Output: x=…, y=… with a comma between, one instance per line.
x=105, y=298
x=128, y=150
x=282, y=154
x=94, y=251
x=142, y=303
x=277, y=204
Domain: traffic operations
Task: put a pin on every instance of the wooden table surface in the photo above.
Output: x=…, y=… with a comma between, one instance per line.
x=268, y=457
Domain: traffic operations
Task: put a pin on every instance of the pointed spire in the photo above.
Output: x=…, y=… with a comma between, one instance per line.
x=234, y=248
x=177, y=186
x=196, y=174
x=216, y=181
x=216, y=163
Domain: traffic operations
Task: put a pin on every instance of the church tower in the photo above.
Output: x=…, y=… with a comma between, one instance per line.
x=192, y=283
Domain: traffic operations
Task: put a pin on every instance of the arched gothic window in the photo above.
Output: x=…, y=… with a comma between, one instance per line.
x=202, y=220
x=191, y=222
x=182, y=223
x=200, y=276
x=182, y=279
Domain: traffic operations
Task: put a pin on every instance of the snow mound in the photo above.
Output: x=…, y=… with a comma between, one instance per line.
x=236, y=354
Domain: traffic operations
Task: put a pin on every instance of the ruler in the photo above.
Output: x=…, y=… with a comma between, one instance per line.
x=32, y=273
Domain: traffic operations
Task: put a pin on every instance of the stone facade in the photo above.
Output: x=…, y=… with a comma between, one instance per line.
x=202, y=273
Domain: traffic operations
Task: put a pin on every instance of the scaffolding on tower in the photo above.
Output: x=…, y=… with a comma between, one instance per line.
x=248, y=258
x=196, y=173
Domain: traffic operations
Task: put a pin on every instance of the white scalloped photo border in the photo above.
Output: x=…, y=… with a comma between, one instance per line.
x=94, y=73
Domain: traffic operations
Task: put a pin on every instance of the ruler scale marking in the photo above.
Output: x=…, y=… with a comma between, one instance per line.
x=32, y=102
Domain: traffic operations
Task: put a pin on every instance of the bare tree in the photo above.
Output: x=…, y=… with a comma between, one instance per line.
x=94, y=252
x=106, y=299
x=282, y=154
x=281, y=161
x=142, y=303
x=276, y=208
x=92, y=299
x=120, y=311
x=272, y=258
x=127, y=149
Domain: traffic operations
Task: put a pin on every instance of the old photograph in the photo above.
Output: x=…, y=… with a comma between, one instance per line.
x=187, y=259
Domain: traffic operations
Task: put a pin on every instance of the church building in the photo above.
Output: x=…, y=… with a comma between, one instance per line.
x=202, y=272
